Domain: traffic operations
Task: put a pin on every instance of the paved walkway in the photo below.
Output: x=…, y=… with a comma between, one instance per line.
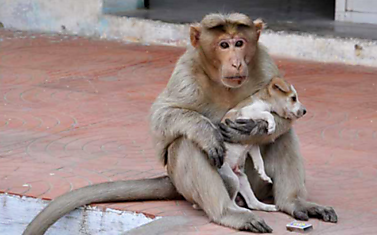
x=74, y=112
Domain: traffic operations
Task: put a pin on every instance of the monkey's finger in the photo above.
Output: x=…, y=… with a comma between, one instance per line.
x=214, y=158
x=245, y=121
x=266, y=227
x=229, y=122
x=228, y=139
x=301, y=215
x=211, y=157
x=223, y=128
x=254, y=131
x=261, y=226
x=220, y=160
x=251, y=228
x=326, y=217
x=225, y=131
x=220, y=155
x=226, y=134
x=238, y=127
x=258, y=226
x=333, y=215
x=248, y=125
x=329, y=215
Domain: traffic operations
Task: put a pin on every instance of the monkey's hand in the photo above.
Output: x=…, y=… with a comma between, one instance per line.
x=241, y=130
x=249, y=131
x=212, y=142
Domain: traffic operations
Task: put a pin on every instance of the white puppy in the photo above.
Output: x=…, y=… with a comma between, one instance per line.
x=278, y=97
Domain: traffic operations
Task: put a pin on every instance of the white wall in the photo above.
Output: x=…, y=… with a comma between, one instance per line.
x=76, y=16
x=358, y=11
x=85, y=18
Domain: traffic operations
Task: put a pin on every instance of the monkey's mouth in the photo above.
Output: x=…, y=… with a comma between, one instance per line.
x=236, y=78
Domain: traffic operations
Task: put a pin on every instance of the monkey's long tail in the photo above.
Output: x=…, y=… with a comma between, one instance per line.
x=145, y=189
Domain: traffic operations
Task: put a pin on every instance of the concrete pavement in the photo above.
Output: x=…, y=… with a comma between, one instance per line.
x=74, y=112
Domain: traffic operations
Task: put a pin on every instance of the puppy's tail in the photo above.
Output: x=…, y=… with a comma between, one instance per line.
x=145, y=189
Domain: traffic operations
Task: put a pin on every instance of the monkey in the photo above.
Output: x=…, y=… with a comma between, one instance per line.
x=223, y=64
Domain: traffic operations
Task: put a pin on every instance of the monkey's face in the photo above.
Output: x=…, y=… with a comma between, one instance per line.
x=231, y=57
x=234, y=55
x=227, y=45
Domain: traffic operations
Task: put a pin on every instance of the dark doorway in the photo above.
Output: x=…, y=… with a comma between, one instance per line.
x=183, y=11
x=306, y=16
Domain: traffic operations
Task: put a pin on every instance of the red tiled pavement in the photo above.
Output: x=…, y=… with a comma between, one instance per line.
x=74, y=112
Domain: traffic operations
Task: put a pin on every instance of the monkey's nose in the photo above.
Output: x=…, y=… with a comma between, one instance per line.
x=303, y=112
x=236, y=65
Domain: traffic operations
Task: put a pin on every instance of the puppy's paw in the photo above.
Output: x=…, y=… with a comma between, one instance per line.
x=266, y=178
x=196, y=207
x=271, y=208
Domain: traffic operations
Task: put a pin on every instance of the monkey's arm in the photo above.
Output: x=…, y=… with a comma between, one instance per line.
x=169, y=123
x=248, y=131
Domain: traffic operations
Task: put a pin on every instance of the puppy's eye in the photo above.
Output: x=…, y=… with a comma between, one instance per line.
x=224, y=45
x=294, y=98
x=239, y=43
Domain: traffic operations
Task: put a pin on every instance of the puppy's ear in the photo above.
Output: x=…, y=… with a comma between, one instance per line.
x=195, y=31
x=259, y=25
x=279, y=84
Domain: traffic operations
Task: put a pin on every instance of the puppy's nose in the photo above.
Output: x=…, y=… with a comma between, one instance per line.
x=303, y=112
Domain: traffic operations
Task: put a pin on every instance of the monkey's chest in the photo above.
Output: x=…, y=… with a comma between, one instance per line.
x=215, y=111
x=219, y=105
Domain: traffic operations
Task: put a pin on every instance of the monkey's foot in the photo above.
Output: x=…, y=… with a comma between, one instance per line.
x=305, y=210
x=257, y=225
x=243, y=219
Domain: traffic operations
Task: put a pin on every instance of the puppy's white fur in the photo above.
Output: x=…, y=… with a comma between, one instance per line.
x=278, y=97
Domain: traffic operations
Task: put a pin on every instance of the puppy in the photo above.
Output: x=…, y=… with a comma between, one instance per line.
x=278, y=97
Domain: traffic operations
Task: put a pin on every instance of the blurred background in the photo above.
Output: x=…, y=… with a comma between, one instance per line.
x=320, y=16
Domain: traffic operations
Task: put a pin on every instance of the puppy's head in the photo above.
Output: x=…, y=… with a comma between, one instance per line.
x=284, y=99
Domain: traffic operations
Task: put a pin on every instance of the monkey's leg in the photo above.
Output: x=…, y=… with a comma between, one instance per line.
x=248, y=194
x=284, y=163
x=200, y=183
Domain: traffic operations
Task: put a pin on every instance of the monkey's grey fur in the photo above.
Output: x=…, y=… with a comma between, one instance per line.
x=187, y=140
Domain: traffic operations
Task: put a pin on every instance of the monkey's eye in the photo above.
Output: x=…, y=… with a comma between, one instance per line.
x=294, y=98
x=239, y=43
x=224, y=45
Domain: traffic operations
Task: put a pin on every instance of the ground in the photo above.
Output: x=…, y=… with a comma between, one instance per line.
x=74, y=112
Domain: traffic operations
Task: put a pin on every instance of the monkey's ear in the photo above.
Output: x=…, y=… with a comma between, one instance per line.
x=259, y=25
x=195, y=31
x=278, y=83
